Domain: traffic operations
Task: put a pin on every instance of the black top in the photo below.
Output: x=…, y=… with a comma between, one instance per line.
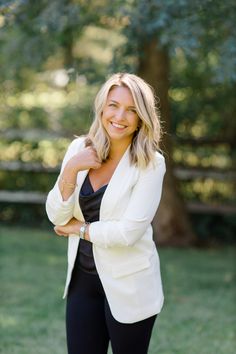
x=90, y=203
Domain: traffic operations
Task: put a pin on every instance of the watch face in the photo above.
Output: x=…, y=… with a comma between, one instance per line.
x=82, y=231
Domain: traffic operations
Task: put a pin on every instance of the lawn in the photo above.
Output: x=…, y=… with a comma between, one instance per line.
x=199, y=316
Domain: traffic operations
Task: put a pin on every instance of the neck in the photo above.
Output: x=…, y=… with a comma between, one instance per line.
x=117, y=150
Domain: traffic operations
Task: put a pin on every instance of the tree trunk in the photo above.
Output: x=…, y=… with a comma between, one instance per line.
x=171, y=224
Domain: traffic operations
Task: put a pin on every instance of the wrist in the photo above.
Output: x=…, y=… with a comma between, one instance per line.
x=66, y=184
x=87, y=233
x=71, y=169
x=83, y=231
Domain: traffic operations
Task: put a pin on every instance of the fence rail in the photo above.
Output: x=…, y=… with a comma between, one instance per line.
x=28, y=197
x=32, y=197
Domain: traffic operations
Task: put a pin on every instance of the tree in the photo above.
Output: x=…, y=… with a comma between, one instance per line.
x=40, y=29
x=156, y=28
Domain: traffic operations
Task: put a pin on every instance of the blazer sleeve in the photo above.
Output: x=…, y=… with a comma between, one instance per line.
x=139, y=214
x=59, y=211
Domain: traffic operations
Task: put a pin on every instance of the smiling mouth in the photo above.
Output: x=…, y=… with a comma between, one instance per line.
x=116, y=125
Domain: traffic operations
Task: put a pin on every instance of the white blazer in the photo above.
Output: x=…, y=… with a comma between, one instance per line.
x=125, y=255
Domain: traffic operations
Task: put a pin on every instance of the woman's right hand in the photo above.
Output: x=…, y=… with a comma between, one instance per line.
x=84, y=160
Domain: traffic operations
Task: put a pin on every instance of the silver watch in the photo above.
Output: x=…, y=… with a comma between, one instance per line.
x=82, y=230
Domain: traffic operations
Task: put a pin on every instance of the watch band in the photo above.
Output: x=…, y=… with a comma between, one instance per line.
x=82, y=230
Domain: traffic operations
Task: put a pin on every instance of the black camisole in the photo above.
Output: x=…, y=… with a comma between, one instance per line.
x=90, y=203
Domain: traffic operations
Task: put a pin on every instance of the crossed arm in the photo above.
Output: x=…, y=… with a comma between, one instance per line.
x=72, y=227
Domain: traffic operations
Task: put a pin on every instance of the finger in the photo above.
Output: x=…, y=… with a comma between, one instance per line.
x=96, y=163
x=92, y=149
x=94, y=152
x=61, y=233
x=58, y=231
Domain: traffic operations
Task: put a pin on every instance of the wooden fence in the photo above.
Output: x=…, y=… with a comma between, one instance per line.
x=35, y=197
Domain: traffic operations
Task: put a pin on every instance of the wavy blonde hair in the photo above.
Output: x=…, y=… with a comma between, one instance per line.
x=146, y=139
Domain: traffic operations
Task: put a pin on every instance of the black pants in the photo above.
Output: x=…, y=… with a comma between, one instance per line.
x=90, y=325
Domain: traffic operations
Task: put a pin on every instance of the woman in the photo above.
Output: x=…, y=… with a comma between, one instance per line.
x=104, y=201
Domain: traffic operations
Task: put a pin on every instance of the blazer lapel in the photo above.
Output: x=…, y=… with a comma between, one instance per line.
x=113, y=189
x=80, y=180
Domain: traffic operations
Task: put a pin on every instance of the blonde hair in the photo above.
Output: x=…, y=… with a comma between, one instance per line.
x=146, y=139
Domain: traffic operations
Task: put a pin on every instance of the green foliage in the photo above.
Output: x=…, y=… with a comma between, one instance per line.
x=186, y=25
x=48, y=153
x=32, y=32
x=201, y=106
x=55, y=54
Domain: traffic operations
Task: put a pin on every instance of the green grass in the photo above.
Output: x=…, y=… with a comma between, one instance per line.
x=199, y=315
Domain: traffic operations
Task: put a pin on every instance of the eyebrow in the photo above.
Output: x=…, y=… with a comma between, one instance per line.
x=118, y=103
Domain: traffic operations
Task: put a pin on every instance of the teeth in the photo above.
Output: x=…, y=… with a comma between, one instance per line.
x=116, y=125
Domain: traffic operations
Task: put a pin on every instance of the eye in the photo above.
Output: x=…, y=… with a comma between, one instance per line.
x=112, y=105
x=133, y=110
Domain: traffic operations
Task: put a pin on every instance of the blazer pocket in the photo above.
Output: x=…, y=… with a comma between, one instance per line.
x=131, y=267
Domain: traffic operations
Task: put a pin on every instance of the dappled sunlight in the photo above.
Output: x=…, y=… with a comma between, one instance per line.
x=179, y=94
x=47, y=152
x=217, y=160
x=51, y=98
x=12, y=101
x=191, y=159
x=196, y=129
x=61, y=78
x=199, y=129
x=11, y=151
x=54, y=99
x=98, y=44
x=212, y=157
x=47, y=99
x=209, y=192
x=47, y=107
x=27, y=156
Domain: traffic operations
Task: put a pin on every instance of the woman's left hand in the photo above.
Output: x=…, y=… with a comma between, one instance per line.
x=72, y=227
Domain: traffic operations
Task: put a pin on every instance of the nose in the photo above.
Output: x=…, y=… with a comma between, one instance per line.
x=120, y=114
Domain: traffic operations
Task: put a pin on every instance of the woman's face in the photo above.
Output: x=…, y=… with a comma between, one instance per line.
x=119, y=117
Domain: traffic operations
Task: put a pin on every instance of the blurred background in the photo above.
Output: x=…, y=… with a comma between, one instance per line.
x=54, y=57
